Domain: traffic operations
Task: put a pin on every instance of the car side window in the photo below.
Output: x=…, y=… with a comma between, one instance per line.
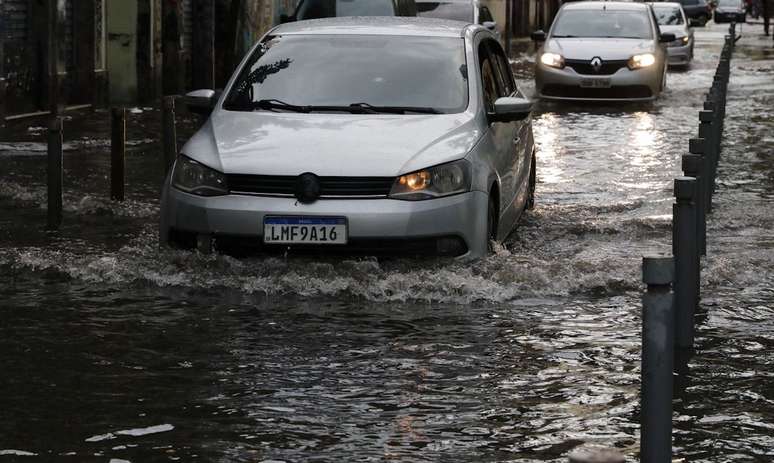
x=505, y=74
x=488, y=83
x=485, y=15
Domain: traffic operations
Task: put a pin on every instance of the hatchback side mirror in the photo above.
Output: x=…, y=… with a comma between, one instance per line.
x=201, y=101
x=491, y=25
x=667, y=37
x=509, y=109
x=538, y=36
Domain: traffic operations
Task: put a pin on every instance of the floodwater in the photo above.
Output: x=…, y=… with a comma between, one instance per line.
x=114, y=350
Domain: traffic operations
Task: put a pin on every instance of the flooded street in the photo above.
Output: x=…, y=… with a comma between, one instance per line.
x=111, y=348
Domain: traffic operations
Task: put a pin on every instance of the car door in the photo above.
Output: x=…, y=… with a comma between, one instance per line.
x=503, y=133
x=521, y=151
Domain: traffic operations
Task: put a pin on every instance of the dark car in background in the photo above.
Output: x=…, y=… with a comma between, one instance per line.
x=469, y=11
x=698, y=12
x=730, y=11
x=315, y=9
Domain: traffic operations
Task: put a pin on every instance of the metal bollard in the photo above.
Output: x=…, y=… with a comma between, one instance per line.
x=168, y=132
x=686, y=260
x=596, y=455
x=693, y=166
x=55, y=176
x=657, y=360
x=117, y=153
x=699, y=146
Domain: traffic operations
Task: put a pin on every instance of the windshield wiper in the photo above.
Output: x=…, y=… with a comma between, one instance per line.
x=394, y=109
x=564, y=36
x=278, y=104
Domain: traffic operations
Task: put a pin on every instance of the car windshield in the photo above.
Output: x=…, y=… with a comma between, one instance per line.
x=312, y=9
x=368, y=73
x=602, y=23
x=732, y=3
x=446, y=10
x=669, y=16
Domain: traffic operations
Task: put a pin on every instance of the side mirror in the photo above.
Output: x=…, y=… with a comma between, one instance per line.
x=508, y=109
x=284, y=18
x=201, y=101
x=538, y=36
x=667, y=37
x=491, y=25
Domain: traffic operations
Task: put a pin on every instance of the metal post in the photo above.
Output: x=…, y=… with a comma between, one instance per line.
x=55, y=173
x=686, y=253
x=168, y=132
x=693, y=166
x=117, y=153
x=596, y=455
x=3, y=94
x=657, y=360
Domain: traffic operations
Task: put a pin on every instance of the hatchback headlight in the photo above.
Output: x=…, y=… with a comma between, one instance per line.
x=642, y=61
x=434, y=182
x=686, y=39
x=198, y=179
x=554, y=60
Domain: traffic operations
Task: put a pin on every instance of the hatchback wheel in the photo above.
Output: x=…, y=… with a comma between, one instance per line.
x=491, y=222
x=532, y=184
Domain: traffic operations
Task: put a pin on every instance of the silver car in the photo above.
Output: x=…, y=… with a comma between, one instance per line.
x=602, y=51
x=391, y=135
x=671, y=18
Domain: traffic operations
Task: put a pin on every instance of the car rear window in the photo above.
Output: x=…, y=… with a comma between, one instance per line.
x=446, y=10
x=313, y=9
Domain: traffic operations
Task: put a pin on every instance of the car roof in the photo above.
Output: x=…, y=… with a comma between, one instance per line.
x=597, y=5
x=375, y=25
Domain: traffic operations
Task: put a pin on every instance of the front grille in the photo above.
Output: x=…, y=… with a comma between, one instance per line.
x=330, y=187
x=607, y=68
x=621, y=91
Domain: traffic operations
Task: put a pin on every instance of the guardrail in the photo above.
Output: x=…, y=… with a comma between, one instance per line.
x=673, y=282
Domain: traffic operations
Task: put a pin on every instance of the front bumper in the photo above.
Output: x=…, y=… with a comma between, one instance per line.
x=680, y=55
x=626, y=85
x=732, y=16
x=461, y=216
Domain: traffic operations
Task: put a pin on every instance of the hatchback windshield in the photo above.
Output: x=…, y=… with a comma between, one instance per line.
x=668, y=16
x=369, y=73
x=312, y=9
x=622, y=24
x=446, y=10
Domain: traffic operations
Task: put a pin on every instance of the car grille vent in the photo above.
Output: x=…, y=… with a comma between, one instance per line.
x=330, y=187
x=585, y=67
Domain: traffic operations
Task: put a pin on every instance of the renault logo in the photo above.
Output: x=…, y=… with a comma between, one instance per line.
x=596, y=63
x=307, y=189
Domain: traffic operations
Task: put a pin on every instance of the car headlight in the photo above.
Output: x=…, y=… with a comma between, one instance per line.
x=642, y=61
x=434, y=182
x=686, y=39
x=198, y=179
x=554, y=60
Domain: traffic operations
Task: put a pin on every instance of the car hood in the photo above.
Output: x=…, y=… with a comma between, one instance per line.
x=679, y=31
x=268, y=143
x=605, y=48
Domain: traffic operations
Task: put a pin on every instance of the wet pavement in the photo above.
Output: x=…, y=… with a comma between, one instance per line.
x=111, y=348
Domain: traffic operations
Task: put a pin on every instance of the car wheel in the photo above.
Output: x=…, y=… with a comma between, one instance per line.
x=532, y=184
x=491, y=221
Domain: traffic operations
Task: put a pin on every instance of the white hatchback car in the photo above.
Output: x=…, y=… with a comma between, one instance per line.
x=599, y=50
x=385, y=135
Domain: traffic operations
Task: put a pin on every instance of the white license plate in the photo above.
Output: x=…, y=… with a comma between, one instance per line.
x=305, y=230
x=595, y=82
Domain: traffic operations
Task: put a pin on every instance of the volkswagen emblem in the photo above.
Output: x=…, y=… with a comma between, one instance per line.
x=307, y=188
x=596, y=63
